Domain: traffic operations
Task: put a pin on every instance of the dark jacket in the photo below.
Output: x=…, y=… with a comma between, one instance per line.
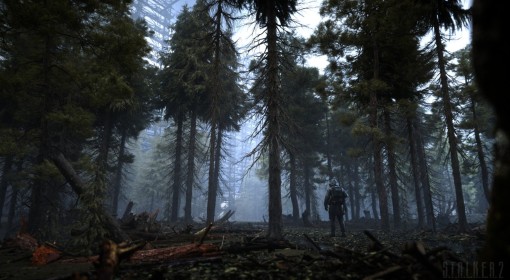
x=335, y=196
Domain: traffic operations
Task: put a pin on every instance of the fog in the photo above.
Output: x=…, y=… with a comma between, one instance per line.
x=243, y=185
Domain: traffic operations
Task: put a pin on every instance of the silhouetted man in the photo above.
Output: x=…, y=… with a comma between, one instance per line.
x=334, y=203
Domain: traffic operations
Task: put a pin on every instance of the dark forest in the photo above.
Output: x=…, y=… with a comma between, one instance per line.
x=195, y=140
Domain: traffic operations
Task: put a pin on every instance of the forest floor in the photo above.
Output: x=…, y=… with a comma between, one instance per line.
x=240, y=251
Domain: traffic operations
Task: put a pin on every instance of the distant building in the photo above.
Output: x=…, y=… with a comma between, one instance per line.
x=159, y=15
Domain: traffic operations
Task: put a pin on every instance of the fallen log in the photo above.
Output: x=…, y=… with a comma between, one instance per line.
x=110, y=257
x=78, y=186
x=225, y=217
x=203, y=232
x=45, y=254
x=257, y=245
x=174, y=253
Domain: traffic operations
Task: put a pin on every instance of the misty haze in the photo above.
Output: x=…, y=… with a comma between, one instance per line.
x=251, y=137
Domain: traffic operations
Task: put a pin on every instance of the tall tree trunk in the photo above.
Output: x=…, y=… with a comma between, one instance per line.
x=293, y=188
x=117, y=180
x=392, y=169
x=490, y=55
x=13, y=202
x=274, y=230
x=190, y=174
x=357, y=198
x=38, y=185
x=217, y=165
x=211, y=189
x=378, y=179
x=211, y=193
x=176, y=186
x=12, y=210
x=4, y=183
x=328, y=146
x=480, y=152
x=373, y=195
x=415, y=172
x=350, y=189
x=424, y=176
x=101, y=180
x=308, y=187
x=452, y=138
x=376, y=142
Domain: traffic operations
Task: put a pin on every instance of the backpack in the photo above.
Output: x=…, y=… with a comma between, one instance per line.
x=337, y=196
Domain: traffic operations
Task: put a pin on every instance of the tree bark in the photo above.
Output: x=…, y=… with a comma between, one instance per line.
x=452, y=138
x=273, y=130
x=217, y=163
x=373, y=195
x=308, y=187
x=176, y=186
x=490, y=55
x=4, y=183
x=190, y=173
x=415, y=172
x=13, y=201
x=376, y=143
x=328, y=146
x=211, y=190
x=357, y=196
x=392, y=169
x=480, y=152
x=350, y=189
x=12, y=210
x=293, y=188
x=424, y=177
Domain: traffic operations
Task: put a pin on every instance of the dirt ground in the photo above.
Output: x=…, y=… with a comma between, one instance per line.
x=242, y=252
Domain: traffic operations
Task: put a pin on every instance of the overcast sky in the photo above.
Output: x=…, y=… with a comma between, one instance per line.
x=309, y=17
